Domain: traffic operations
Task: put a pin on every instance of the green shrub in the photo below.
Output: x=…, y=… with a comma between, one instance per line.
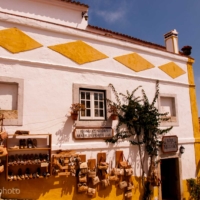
x=194, y=189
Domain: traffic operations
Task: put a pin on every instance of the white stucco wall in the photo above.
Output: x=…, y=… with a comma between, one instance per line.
x=49, y=78
x=51, y=11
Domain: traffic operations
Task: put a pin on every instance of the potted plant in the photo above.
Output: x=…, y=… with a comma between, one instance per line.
x=112, y=108
x=75, y=108
x=186, y=50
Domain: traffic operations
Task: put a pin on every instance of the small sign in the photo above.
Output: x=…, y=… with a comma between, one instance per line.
x=170, y=144
x=44, y=164
x=92, y=133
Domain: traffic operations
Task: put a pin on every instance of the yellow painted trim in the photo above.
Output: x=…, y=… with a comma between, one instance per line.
x=134, y=61
x=190, y=71
x=197, y=140
x=172, y=70
x=59, y=188
x=194, y=111
x=15, y=41
x=186, y=194
x=79, y=52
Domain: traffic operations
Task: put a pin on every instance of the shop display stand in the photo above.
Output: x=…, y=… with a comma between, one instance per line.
x=32, y=160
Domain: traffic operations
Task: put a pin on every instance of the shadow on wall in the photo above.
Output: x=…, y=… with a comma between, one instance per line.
x=134, y=158
x=63, y=134
x=197, y=173
x=59, y=188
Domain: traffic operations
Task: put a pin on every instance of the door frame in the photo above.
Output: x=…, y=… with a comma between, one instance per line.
x=168, y=156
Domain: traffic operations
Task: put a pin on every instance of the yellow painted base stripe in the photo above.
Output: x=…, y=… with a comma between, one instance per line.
x=194, y=111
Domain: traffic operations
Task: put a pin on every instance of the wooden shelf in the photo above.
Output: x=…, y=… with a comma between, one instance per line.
x=25, y=165
x=44, y=143
x=30, y=149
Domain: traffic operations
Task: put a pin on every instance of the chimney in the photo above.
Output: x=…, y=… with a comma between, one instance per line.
x=171, y=41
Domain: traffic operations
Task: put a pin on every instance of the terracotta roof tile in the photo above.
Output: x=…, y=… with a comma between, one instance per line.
x=76, y=2
x=130, y=38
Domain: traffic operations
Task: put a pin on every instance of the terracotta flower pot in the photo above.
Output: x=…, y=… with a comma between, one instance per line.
x=186, y=50
x=74, y=116
x=113, y=116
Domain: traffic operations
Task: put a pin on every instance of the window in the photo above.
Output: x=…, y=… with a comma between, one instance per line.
x=94, y=98
x=94, y=102
x=167, y=103
x=11, y=100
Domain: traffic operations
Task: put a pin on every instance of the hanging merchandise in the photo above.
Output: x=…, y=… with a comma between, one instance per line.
x=82, y=178
x=117, y=171
x=113, y=178
x=92, y=173
x=128, y=194
x=83, y=168
x=65, y=163
x=91, y=191
x=1, y=167
x=95, y=180
x=124, y=163
x=3, y=133
x=130, y=186
x=82, y=187
x=103, y=166
x=3, y=151
x=105, y=182
x=128, y=172
x=123, y=184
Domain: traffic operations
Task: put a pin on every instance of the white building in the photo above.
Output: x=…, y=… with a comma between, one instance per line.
x=49, y=55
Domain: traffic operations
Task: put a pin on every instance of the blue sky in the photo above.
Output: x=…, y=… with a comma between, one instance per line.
x=150, y=20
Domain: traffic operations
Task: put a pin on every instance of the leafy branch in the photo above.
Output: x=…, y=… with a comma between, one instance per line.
x=142, y=121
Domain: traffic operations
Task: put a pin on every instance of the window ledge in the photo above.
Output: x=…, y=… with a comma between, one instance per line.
x=105, y=123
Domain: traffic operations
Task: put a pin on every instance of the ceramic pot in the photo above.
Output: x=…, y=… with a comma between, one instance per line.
x=74, y=116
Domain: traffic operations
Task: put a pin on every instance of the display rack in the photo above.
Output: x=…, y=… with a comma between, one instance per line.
x=26, y=159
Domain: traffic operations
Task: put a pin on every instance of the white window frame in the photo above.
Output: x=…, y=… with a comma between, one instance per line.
x=92, y=105
x=106, y=121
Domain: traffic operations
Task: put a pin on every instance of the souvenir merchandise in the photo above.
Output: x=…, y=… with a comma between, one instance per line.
x=92, y=173
x=105, y=182
x=82, y=187
x=84, y=168
x=95, y=180
x=123, y=164
x=113, y=178
x=116, y=171
x=82, y=178
x=128, y=194
x=123, y=184
x=128, y=172
x=130, y=186
x=3, y=135
x=1, y=168
x=103, y=165
x=91, y=191
x=3, y=151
